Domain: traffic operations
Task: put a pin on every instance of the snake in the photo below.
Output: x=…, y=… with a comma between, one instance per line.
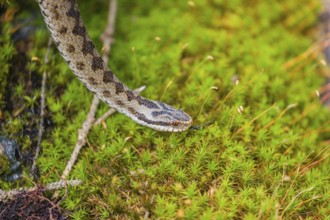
x=69, y=34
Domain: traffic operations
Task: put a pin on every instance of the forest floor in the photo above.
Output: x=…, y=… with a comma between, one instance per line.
x=247, y=71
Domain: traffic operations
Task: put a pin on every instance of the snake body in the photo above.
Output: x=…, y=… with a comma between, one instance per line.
x=71, y=38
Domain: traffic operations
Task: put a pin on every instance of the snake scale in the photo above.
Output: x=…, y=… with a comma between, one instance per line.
x=71, y=38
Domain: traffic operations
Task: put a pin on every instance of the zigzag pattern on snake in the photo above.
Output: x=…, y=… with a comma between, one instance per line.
x=70, y=36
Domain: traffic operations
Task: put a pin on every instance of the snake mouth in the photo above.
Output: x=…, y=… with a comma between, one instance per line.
x=176, y=126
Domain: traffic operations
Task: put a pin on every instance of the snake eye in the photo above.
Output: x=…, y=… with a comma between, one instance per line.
x=175, y=123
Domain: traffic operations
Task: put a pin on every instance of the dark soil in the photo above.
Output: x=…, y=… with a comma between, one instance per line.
x=31, y=205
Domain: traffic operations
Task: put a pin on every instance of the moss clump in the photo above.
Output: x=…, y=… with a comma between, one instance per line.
x=7, y=50
x=4, y=163
x=234, y=66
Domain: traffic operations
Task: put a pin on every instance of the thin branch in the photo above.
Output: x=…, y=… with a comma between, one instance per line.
x=107, y=36
x=88, y=123
x=42, y=110
x=7, y=195
x=82, y=134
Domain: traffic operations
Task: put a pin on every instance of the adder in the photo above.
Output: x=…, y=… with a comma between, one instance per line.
x=71, y=38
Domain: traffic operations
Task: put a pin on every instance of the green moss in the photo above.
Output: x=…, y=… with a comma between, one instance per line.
x=7, y=50
x=263, y=152
x=4, y=163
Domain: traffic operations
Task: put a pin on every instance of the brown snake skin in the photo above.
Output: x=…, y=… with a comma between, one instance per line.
x=70, y=36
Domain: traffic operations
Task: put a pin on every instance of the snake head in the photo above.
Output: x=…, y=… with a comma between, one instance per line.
x=170, y=119
x=157, y=115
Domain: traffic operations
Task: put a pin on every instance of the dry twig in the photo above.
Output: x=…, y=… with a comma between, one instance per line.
x=42, y=111
x=82, y=134
x=7, y=195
